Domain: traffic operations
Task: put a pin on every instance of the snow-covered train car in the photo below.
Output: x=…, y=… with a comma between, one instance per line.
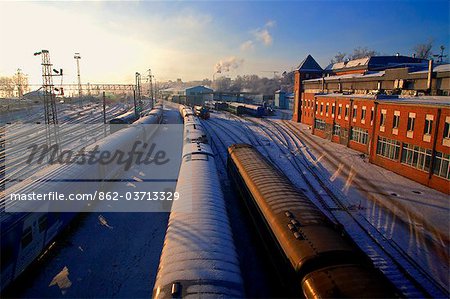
x=194, y=131
x=185, y=111
x=199, y=257
x=24, y=235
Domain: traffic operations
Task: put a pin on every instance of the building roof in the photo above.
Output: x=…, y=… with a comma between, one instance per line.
x=414, y=69
x=309, y=64
x=375, y=63
x=422, y=100
x=199, y=87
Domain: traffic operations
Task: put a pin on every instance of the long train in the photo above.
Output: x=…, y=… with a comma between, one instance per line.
x=24, y=235
x=316, y=259
x=199, y=258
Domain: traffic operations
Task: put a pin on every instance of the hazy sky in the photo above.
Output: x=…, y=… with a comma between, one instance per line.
x=187, y=39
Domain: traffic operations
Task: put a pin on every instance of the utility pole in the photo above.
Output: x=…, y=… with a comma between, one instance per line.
x=134, y=101
x=104, y=114
x=19, y=83
x=150, y=87
x=80, y=91
x=104, y=108
x=138, y=90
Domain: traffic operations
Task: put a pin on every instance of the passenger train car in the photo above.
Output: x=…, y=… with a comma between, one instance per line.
x=24, y=235
x=314, y=256
x=216, y=105
x=199, y=258
x=126, y=118
x=241, y=108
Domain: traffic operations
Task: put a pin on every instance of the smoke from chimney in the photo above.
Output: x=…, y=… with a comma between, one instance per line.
x=228, y=64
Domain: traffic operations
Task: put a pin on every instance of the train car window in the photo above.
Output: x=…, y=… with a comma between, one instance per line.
x=42, y=223
x=199, y=158
x=27, y=237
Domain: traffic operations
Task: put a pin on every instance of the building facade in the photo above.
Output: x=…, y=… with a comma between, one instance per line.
x=409, y=136
x=378, y=113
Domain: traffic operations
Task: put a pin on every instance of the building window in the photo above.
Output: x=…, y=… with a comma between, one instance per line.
x=337, y=129
x=382, y=119
x=346, y=111
x=359, y=135
x=416, y=156
x=355, y=111
x=319, y=124
x=428, y=126
x=411, y=121
x=333, y=109
x=326, y=109
x=447, y=129
x=321, y=107
x=442, y=165
x=388, y=148
x=340, y=110
x=371, y=115
x=363, y=114
x=396, y=121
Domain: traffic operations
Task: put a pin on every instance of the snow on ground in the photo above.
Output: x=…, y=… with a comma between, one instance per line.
x=103, y=255
x=411, y=215
x=389, y=209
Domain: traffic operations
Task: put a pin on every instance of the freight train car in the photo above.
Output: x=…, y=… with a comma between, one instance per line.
x=199, y=259
x=318, y=260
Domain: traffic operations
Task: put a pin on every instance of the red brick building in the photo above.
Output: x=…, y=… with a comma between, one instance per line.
x=405, y=134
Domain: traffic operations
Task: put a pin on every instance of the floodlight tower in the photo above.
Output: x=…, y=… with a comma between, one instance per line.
x=80, y=91
x=48, y=87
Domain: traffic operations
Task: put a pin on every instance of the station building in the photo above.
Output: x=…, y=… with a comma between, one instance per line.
x=398, y=114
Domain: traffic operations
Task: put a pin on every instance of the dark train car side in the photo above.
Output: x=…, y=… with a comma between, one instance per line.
x=320, y=261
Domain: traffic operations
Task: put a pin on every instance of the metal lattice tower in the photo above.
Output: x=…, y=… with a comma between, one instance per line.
x=51, y=116
x=80, y=90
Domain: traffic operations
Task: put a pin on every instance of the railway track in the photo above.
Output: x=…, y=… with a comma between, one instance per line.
x=386, y=255
x=18, y=167
x=412, y=271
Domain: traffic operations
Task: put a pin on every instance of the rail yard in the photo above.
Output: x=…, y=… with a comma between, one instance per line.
x=297, y=197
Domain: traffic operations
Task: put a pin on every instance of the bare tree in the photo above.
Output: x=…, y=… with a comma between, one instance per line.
x=7, y=86
x=361, y=52
x=423, y=50
x=339, y=57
